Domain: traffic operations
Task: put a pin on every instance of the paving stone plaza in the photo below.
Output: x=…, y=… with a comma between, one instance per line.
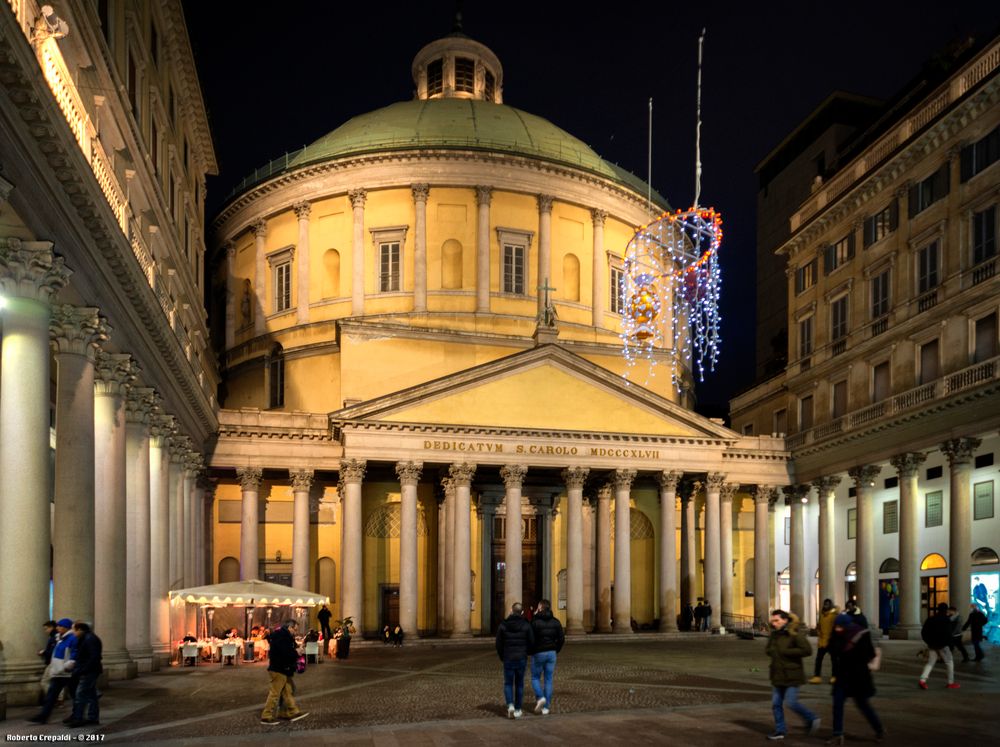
x=690, y=689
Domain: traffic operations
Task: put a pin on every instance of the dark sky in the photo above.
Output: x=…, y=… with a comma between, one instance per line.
x=274, y=83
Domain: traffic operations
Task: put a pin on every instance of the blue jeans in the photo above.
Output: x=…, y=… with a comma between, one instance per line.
x=839, y=698
x=790, y=695
x=513, y=682
x=543, y=662
x=86, y=699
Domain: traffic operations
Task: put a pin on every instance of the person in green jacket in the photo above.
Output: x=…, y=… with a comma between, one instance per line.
x=825, y=630
x=787, y=647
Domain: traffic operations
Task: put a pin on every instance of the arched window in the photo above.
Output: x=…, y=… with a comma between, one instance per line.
x=640, y=527
x=889, y=565
x=851, y=572
x=571, y=278
x=331, y=274
x=933, y=561
x=985, y=556
x=229, y=570
x=785, y=577
x=451, y=264
x=326, y=578
x=276, y=378
x=385, y=522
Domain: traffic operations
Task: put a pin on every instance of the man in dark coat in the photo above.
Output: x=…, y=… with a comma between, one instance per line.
x=50, y=642
x=699, y=615
x=86, y=669
x=283, y=659
x=787, y=647
x=937, y=635
x=956, y=633
x=549, y=640
x=515, y=640
x=851, y=650
x=977, y=621
x=324, y=616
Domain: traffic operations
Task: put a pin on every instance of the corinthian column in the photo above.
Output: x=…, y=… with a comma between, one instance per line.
x=763, y=498
x=250, y=478
x=461, y=475
x=483, y=196
x=907, y=466
x=960, y=452
x=689, y=552
x=260, y=276
x=864, y=484
x=604, y=559
x=726, y=547
x=138, y=407
x=513, y=476
x=75, y=335
x=409, y=478
x=232, y=294
x=352, y=472
x=114, y=374
x=302, y=210
x=828, y=586
x=574, y=478
x=358, y=197
x=545, y=251
x=713, y=551
x=794, y=497
x=30, y=276
x=302, y=481
x=447, y=539
x=420, y=193
x=163, y=427
x=668, y=550
x=622, y=611
x=600, y=261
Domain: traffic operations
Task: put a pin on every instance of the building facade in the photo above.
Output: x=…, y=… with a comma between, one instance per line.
x=889, y=397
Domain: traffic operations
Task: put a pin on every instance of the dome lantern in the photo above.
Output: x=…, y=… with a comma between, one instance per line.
x=457, y=67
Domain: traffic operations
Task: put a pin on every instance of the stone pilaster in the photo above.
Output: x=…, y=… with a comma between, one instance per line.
x=483, y=198
x=420, y=194
x=599, y=283
x=358, y=198
x=302, y=211
x=232, y=294
x=260, y=276
x=544, y=272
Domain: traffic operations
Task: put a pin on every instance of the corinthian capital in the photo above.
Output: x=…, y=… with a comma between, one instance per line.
x=352, y=471
x=302, y=480
x=764, y=494
x=259, y=228
x=484, y=195
x=250, y=477
x=30, y=269
x=599, y=216
x=140, y=404
x=826, y=485
x=461, y=474
x=796, y=493
x=623, y=478
x=513, y=475
x=114, y=373
x=302, y=210
x=358, y=197
x=420, y=192
x=715, y=481
x=574, y=477
x=77, y=329
x=728, y=491
x=960, y=450
x=669, y=480
x=544, y=203
x=409, y=472
x=863, y=475
x=908, y=463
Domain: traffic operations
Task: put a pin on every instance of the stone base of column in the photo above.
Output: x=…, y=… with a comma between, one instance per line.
x=622, y=627
x=143, y=659
x=460, y=634
x=20, y=684
x=118, y=666
x=603, y=628
x=905, y=633
x=668, y=625
x=575, y=629
x=161, y=656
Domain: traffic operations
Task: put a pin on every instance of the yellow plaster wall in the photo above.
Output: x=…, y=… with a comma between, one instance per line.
x=247, y=389
x=330, y=227
x=451, y=214
x=313, y=384
x=520, y=211
x=385, y=208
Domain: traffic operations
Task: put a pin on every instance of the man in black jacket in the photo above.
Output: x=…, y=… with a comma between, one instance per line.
x=283, y=659
x=977, y=621
x=86, y=669
x=937, y=635
x=515, y=640
x=549, y=640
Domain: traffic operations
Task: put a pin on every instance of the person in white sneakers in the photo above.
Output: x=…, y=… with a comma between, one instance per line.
x=514, y=640
x=549, y=640
x=937, y=635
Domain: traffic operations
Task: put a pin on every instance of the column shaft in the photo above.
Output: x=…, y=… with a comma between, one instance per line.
x=574, y=479
x=599, y=263
x=688, y=551
x=420, y=193
x=828, y=586
x=544, y=248
x=513, y=583
x=302, y=254
x=250, y=478
x=864, y=553
x=960, y=452
x=487, y=512
x=713, y=551
x=358, y=252
x=462, y=475
x=762, y=554
x=483, y=249
x=622, y=611
x=726, y=549
x=301, y=555
x=442, y=535
x=173, y=513
x=409, y=476
x=449, y=557
x=351, y=474
x=190, y=487
x=137, y=597
x=797, y=557
x=668, y=549
x=159, y=541
x=604, y=560
x=907, y=467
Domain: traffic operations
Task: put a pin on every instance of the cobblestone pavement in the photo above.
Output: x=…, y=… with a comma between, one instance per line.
x=696, y=690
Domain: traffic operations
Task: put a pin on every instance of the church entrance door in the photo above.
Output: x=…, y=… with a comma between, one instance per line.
x=531, y=567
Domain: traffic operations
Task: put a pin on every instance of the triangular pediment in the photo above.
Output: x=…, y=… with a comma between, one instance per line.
x=546, y=388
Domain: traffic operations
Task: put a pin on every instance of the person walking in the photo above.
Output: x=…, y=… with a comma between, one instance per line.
x=851, y=651
x=956, y=633
x=515, y=639
x=699, y=615
x=936, y=633
x=852, y=609
x=976, y=621
x=825, y=629
x=60, y=670
x=86, y=670
x=706, y=616
x=283, y=658
x=549, y=640
x=787, y=647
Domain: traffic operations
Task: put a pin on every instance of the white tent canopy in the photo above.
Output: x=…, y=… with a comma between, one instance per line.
x=249, y=592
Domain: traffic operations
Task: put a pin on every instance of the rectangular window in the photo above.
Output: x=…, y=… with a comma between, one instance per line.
x=781, y=421
x=977, y=156
x=933, y=514
x=839, y=398
x=880, y=225
x=465, y=75
x=890, y=517
x=388, y=263
x=927, y=268
x=838, y=319
x=513, y=269
x=880, y=382
x=852, y=523
x=837, y=254
x=930, y=190
x=984, y=234
x=282, y=286
x=805, y=413
x=748, y=429
x=489, y=86
x=805, y=337
x=617, y=287
x=929, y=368
x=805, y=277
x=982, y=498
x=986, y=338
x=435, y=77
x=880, y=294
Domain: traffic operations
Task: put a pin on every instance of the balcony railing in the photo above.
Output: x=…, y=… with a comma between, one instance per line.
x=927, y=301
x=984, y=271
x=838, y=347
x=968, y=378
x=879, y=326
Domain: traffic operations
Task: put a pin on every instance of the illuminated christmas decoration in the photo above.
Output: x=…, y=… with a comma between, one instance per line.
x=670, y=295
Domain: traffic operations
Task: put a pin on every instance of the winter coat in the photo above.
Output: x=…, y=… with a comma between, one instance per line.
x=936, y=632
x=62, y=654
x=283, y=655
x=977, y=621
x=956, y=625
x=825, y=627
x=89, y=650
x=852, y=649
x=50, y=646
x=787, y=648
x=548, y=632
x=324, y=617
x=515, y=639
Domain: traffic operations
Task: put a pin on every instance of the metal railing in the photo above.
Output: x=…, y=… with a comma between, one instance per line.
x=984, y=271
x=927, y=301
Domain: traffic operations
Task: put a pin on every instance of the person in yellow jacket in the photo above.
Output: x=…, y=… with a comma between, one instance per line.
x=825, y=630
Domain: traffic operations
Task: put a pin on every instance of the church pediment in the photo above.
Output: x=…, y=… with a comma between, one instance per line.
x=547, y=388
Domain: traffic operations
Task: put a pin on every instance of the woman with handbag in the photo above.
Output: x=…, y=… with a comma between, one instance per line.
x=60, y=669
x=854, y=659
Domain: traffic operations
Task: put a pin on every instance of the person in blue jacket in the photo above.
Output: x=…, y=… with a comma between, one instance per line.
x=60, y=668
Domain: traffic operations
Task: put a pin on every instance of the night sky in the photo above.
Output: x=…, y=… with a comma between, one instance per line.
x=274, y=83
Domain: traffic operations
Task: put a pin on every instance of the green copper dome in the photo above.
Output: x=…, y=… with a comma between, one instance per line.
x=458, y=124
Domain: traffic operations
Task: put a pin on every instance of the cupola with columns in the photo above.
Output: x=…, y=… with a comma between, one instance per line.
x=457, y=67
